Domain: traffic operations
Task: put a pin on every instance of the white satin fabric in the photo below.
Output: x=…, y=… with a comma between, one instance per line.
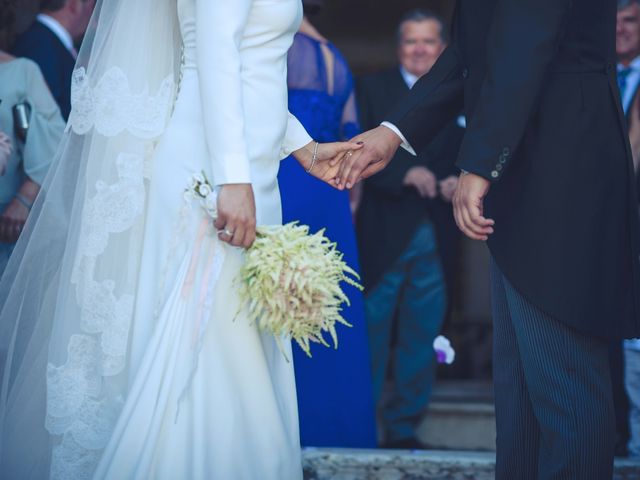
x=210, y=397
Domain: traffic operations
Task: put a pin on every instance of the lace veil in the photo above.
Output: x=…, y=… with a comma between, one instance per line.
x=68, y=293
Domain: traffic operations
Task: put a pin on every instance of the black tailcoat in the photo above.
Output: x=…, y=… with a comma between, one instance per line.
x=537, y=80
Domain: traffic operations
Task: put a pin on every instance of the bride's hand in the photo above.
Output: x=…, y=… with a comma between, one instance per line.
x=236, y=220
x=326, y=155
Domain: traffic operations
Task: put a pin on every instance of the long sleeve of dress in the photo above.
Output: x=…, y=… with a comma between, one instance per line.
x=46, y=127
x=295, y=138
x=220, y=26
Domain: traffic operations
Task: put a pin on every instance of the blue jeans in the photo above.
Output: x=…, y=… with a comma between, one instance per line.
x=410, y=297
x=632, y=383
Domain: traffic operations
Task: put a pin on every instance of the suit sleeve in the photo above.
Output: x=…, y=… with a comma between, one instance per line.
x=389, y=181
x=220, y=27
x=45, y=56
x=436, y=99
x=521, y=44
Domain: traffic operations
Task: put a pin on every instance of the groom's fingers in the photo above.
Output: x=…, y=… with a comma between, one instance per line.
x=469, y=228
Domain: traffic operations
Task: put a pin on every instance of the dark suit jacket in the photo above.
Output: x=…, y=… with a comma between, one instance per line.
x=43, y=47
x=389, y=212
x=537, y=80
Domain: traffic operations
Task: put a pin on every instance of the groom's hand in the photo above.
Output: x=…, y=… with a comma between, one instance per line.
x=468, y=206
x=380, y=144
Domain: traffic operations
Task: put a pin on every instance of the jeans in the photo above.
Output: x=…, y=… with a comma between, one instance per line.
x=410, y=298
x=632, y=382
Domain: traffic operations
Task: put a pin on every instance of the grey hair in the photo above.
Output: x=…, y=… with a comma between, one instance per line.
x=421, y=15
x=627, y=3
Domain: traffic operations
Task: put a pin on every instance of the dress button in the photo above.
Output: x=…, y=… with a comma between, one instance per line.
x=506, y=152
x=503, y=159
x=465, y=73
x=495, y=174
x=498, y=167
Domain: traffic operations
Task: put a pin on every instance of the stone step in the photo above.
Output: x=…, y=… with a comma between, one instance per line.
x=348, y=464
x=459, y=426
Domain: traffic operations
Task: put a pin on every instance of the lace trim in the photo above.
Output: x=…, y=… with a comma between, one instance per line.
x=80, y=407
x=111, y=108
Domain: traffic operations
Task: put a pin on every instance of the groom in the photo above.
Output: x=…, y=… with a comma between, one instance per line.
x=547, y=180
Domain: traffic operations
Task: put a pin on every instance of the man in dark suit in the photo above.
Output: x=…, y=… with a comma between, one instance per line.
x=628, y=51
x=398, y=241
x=49, y=41
x=548, y=180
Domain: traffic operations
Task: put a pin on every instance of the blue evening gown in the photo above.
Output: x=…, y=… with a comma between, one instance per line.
x=334, y=387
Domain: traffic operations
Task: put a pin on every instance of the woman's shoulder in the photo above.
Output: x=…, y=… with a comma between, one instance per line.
x=21, y=66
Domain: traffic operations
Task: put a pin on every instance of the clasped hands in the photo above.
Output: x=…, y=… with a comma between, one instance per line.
x=378, y=148
x=236, y=215
x=342, y=165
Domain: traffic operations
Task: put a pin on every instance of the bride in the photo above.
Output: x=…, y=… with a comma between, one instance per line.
x=124, y=355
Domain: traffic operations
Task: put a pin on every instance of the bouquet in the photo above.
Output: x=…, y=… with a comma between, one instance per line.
x=291, y=281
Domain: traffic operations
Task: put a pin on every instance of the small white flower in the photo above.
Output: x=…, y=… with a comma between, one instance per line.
x=199, y=178
x=211, y=204
x=188, y=195
x=204, y=190
x=444, y=352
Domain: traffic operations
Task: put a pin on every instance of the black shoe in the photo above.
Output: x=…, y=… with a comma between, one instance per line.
x=404, y=444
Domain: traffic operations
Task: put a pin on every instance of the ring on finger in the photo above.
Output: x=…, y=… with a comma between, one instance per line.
x=226, y=231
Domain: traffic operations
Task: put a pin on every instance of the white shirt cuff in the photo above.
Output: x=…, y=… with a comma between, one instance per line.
x=397, y=131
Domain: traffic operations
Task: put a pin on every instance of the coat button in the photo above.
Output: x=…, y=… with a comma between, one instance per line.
x=465, y=73
x=498, y=167
x=495, y=174
x=506, y=152
x=503, y=159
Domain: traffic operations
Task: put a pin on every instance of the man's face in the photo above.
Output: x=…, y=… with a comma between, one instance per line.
x=628, y=33
x=82, y=10
x=420, y=46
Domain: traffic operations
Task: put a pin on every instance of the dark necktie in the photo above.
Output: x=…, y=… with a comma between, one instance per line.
x=623, y=77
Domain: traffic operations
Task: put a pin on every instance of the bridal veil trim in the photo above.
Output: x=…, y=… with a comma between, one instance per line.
x=69, y=291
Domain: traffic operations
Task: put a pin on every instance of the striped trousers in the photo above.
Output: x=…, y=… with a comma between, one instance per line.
x=554, y=407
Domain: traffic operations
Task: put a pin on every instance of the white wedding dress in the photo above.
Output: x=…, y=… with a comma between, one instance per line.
x=209, y=396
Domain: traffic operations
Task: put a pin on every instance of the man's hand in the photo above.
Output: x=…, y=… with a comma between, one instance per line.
x=423, y=180
x=236, y=221
x=448, y=188
x=380, y=144
x=468, y=208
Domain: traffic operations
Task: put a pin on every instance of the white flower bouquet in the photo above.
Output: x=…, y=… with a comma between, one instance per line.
x=291, y=281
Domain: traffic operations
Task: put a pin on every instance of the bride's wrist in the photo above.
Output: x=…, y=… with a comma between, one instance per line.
x=307, y=155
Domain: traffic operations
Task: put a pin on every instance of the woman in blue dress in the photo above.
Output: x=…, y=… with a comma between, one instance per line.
x=334, y=387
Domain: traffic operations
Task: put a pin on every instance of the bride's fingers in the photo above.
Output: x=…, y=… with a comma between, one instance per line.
x=237, y=239
x=340, y=149
x=219, y=222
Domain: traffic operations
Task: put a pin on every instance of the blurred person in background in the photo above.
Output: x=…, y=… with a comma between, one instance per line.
x=334, y=387
x=627, y=369
x=25, y=153
x=49, y=42
x=405, y=286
